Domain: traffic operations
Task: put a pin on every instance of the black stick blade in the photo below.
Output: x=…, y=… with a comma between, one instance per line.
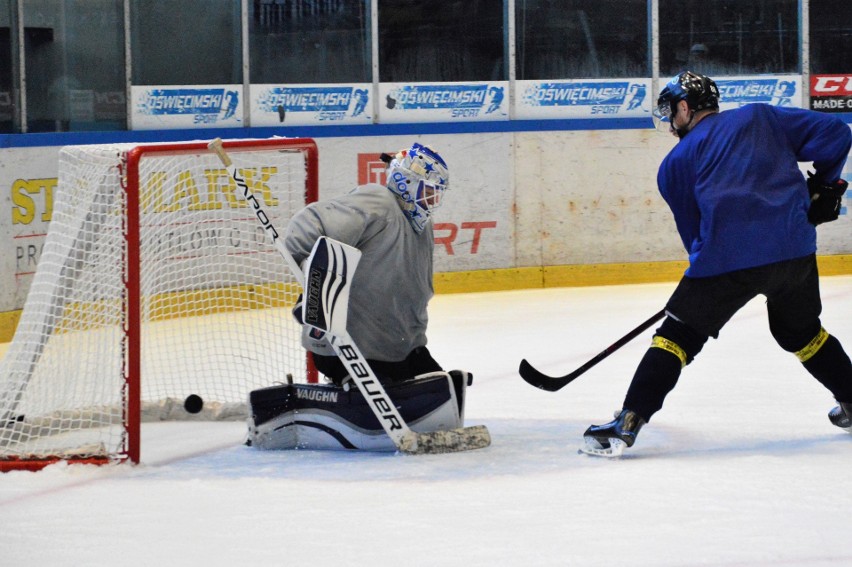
x=552, y=384
x=543, y=381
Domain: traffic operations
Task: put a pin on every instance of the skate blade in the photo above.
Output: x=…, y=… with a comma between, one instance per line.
x=594, y=448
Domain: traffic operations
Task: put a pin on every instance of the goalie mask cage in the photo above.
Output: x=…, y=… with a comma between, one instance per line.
x=155, y=282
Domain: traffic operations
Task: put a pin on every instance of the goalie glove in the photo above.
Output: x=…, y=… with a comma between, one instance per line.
x=825, y=199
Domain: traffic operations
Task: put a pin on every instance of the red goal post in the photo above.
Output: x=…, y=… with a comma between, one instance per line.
x=154, y=284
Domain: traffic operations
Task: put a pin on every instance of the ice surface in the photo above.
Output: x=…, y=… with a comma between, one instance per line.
x=740, y=468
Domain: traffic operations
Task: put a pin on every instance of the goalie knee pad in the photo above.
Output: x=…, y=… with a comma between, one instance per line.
x=678, y=339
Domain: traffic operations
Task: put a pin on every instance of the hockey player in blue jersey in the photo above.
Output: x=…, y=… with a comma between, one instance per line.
x=747, y=218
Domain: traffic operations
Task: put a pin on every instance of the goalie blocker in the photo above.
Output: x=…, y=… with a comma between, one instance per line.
x=320, y=416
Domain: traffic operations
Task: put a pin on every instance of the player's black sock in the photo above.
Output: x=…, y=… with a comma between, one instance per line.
x=832, y=367
x=655, y=377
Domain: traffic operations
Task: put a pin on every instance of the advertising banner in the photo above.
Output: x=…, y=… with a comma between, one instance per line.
x=831, y=93
x=591, y=98
x=777, y=90
x=170, y=107
x=297, y=105
x=28, y=183
x=443, y=102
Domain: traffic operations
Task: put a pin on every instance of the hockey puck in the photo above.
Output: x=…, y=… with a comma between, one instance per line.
x=193, y=403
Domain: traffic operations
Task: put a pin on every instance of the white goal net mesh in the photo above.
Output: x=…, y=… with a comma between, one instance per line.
x=214, y=297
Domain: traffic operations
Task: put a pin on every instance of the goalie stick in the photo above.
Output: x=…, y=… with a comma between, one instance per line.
x=554, y=383
x=326, y=291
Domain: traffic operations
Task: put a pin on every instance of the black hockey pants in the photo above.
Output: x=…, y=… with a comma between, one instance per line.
x=700, y=307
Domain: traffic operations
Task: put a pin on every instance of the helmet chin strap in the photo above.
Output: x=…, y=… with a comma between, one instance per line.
x=684, y=130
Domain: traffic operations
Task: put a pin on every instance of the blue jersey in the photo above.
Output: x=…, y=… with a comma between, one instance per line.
x=735, y=188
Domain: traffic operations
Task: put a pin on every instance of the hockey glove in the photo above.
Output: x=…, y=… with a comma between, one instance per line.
x=825, y=199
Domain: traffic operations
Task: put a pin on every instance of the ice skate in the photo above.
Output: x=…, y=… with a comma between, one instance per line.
x=609, y=440
x=841, y=416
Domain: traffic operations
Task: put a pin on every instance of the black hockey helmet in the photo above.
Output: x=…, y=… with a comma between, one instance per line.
x=699, y=91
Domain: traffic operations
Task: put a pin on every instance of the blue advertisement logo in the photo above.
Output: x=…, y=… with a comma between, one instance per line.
x=330, y=103
x=779, y=92
x=597, y=97
x=637, y=93
x=205, y=104
x=570, y=94
x=496, y=94
x=457, y=101
x=437, y=96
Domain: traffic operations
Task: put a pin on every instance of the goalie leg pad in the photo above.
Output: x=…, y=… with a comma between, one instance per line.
x=325, y=417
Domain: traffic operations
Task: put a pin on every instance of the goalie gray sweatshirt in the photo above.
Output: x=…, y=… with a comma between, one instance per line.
x=392, y=285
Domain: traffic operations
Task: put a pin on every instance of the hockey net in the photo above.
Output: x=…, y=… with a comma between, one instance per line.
x=156, y=282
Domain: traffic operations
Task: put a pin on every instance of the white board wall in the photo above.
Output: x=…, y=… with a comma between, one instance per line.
x=517, y=199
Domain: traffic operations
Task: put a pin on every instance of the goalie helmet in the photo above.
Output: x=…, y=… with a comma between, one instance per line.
x=699, y=91
x=418, y=176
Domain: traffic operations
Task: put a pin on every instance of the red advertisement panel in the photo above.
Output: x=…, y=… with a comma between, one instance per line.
x=831, y=93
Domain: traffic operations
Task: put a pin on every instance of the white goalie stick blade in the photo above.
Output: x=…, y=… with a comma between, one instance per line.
x=451, y=441
x=594, y=447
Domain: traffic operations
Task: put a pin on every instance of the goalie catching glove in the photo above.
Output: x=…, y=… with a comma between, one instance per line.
x=825, y=199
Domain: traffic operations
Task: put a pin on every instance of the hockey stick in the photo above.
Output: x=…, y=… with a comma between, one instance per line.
x=330, y=268
x=554, y=383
